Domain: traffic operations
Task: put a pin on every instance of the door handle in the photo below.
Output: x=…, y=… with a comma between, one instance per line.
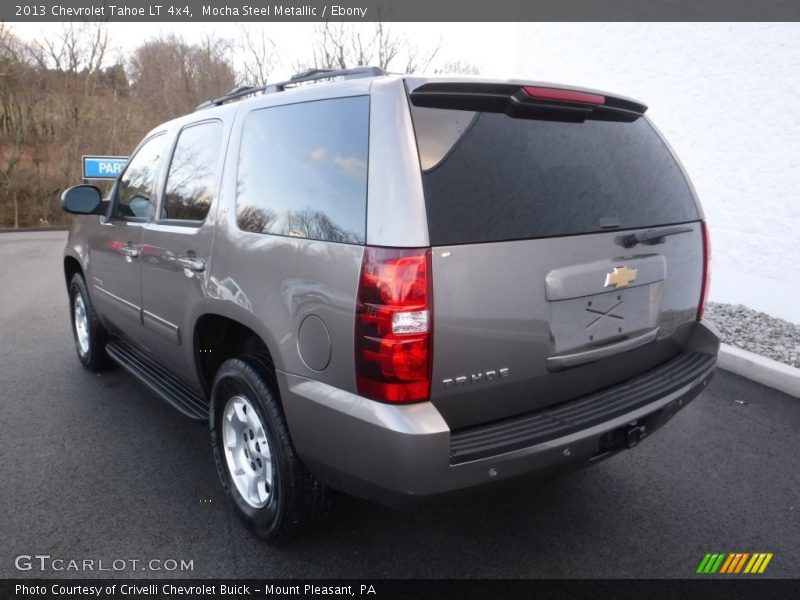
x=564, y=361
x=193, y=264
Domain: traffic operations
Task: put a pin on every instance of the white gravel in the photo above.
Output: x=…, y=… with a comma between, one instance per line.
x=756, y=332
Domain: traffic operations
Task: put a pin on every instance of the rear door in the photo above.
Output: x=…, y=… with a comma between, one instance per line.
x=540, y=292
x=176, y=247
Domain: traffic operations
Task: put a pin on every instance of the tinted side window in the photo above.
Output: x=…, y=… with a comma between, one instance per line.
x=193, y=173
x=303, y=170
x=137, y=184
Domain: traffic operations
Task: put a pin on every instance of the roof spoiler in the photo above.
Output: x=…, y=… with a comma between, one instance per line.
x=527, y=101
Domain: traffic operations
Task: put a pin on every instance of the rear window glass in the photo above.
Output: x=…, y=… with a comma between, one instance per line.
x=303, y=170
x=489, y=177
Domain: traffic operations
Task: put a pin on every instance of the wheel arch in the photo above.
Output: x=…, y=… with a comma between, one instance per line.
x=217, y=338
x=72, y=266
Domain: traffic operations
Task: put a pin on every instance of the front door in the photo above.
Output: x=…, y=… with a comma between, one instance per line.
x=114, y=251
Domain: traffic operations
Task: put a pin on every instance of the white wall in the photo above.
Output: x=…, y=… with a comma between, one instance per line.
x=727, y=97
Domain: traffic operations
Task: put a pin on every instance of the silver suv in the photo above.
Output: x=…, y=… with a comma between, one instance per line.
x=399, y=287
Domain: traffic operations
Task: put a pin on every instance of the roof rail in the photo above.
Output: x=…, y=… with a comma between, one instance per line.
x=310, y=72
x=298, y=78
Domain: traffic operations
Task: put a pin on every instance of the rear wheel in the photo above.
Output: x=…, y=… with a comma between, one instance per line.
x=271, y=489
x=89, y=333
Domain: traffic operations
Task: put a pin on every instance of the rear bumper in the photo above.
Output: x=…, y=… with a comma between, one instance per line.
x=407, y=455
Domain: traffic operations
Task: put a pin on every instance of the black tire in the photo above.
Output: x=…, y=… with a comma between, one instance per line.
x=93, y=356
x=296, y=499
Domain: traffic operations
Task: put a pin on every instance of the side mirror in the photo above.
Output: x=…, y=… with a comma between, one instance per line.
x=82, y=200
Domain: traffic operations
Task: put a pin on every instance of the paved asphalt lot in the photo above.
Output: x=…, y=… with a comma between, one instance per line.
x=94, y=466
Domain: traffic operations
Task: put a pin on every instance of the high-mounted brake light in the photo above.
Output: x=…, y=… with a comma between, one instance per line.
x=706, y=283
x=546, y=93
x=393, y=325
x=543, y=102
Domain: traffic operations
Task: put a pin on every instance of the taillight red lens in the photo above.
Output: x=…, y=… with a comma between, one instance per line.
x=546, y=93
x=393, y=325
x=706, y=271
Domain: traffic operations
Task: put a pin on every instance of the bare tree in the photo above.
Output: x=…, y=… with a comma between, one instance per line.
x=457, y=67
x=59, y=98
x=12, y=53
x=19, y=96
x=50, y=93
x=195, y=74
x=316, y=225
x=330, y=48
x=73, y=93
x=346, y=45
x=387, y=46
x=73, y=60
x=12, y=125
x=253, y=218
x=78, y=47
x=259, y=55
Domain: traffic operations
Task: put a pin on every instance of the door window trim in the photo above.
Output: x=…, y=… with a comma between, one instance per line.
x=115, y=191
x=158, y=220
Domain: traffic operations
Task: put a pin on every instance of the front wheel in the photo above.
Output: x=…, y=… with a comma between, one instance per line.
x=89, y=333
x=269, y=486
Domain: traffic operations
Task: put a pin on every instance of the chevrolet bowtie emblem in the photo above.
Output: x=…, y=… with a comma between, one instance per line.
x=621, y=277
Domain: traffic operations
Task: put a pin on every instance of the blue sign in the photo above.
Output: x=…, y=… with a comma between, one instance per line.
x=103, y=167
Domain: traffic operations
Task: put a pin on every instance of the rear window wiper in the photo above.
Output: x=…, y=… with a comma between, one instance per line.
x=652, y=236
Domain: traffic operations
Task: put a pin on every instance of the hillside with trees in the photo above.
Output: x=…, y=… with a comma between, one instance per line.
x=60, y=99
x=69, y=93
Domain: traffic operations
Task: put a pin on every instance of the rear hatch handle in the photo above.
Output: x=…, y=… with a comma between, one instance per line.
x=565, y=361
x=652, y=236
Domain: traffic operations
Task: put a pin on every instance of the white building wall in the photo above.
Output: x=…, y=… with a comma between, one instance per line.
x=727, y=97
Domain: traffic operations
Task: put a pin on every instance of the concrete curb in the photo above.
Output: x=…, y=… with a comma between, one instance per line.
x=29, y=229
x=763, y=370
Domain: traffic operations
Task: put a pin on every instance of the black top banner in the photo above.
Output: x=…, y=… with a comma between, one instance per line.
x=187, y=11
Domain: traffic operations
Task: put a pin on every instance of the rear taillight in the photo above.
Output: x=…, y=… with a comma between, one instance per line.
x=393, y=325
x=706, y=271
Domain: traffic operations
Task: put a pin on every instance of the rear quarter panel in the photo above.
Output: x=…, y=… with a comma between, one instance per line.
x=273, y=283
